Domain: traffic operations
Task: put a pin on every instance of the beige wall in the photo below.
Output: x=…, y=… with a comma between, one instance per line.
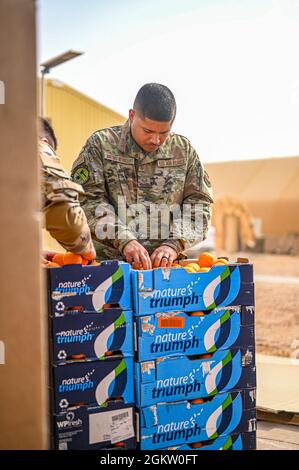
x=268, y=187
x=23, y=375
x=74, y=117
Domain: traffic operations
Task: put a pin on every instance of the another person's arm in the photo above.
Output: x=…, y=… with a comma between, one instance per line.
x=64, y=218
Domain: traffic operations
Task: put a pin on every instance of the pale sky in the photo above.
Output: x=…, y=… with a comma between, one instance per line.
x=232, y=65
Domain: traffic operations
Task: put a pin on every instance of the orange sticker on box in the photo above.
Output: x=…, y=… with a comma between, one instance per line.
x=174, y=322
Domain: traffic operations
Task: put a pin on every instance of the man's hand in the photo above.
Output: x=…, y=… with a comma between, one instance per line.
x=163, y=257
x=89, y=253
x=137, y=255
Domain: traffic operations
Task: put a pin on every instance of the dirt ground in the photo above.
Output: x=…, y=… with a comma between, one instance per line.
x=277, y=303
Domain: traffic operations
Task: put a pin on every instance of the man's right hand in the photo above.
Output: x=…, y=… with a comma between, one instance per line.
x=89, y=253
x=137, y=255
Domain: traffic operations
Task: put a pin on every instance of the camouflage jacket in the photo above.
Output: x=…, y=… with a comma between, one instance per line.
x=64, y=217
x=112, y=165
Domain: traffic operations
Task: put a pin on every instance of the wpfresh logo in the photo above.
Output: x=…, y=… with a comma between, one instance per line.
x=75, y=336
x=70, y=421
x=77, y=383
x=177, y=431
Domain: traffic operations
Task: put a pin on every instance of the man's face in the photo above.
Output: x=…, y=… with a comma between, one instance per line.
x=148, y=134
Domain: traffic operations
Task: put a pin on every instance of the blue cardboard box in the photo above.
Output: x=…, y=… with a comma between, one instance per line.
x=171, y=424
x=178, y=333
x=92, y=428
x=239, y=441
x=168, y=289
x=171, y=379
x=92, y=383
x=89, y=288
x=92, y=335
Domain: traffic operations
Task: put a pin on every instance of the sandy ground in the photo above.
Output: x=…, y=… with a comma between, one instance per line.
x=277, y=303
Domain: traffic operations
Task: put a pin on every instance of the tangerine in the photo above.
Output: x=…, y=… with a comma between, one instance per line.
x=53, y=265
x=220, y=260
x=196, y=314
x=205, y=260
x=72, y=258
x=219, y=263
x=196, y=445
x=197, y=401
x=194, y=266
x=94, y=263
x=58, y=258
x=189, y=269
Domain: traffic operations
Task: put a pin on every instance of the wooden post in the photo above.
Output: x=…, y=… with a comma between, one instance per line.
x=23, y=336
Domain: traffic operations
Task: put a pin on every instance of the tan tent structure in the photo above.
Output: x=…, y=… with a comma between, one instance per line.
x=269, y=190
x=233, y=227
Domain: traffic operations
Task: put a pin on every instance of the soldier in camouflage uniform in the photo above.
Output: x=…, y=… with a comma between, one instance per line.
x=143, y=162
x=64, y=217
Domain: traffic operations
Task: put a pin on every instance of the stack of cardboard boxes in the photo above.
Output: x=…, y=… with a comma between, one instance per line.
x=193, y=379
x=91, y=354
x=195, y=367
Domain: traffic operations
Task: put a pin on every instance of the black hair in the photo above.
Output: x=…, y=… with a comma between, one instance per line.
x=155, y=102
x=48, y=131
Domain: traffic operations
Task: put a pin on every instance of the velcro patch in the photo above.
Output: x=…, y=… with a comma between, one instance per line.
x=81, y=174
x=120, y=159
x=168, y=163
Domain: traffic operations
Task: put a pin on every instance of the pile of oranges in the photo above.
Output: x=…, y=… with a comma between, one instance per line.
x=61, y=259
x=204, y=263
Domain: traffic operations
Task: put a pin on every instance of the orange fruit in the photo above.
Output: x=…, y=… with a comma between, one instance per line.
x=58, y=258
x=78, y=356
x=194, y=266
x=94, y=263
x=72, y=258
x=196, y=314
x=197, y=401
x=189, y=269
x=196, y=445
x=84, y=261
x=220, y=261
x=53, y=265
x=205, y=260
x=119, y=444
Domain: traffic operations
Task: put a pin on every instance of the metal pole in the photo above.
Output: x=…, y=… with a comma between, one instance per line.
x=43, y=93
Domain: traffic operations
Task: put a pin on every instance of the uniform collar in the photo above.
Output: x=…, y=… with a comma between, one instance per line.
x=128, y=146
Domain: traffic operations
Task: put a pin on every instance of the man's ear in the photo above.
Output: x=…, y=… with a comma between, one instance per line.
x=131, y=114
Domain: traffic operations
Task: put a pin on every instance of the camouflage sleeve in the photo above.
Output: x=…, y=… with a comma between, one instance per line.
x=64, y=218
x=196, y=207
x=104, y=224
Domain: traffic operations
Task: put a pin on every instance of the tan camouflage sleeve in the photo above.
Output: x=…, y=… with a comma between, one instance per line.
x=64, y=218
x=197, y=200
x=105, y=227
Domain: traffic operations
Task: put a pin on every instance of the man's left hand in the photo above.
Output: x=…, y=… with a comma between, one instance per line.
x=163, y=257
